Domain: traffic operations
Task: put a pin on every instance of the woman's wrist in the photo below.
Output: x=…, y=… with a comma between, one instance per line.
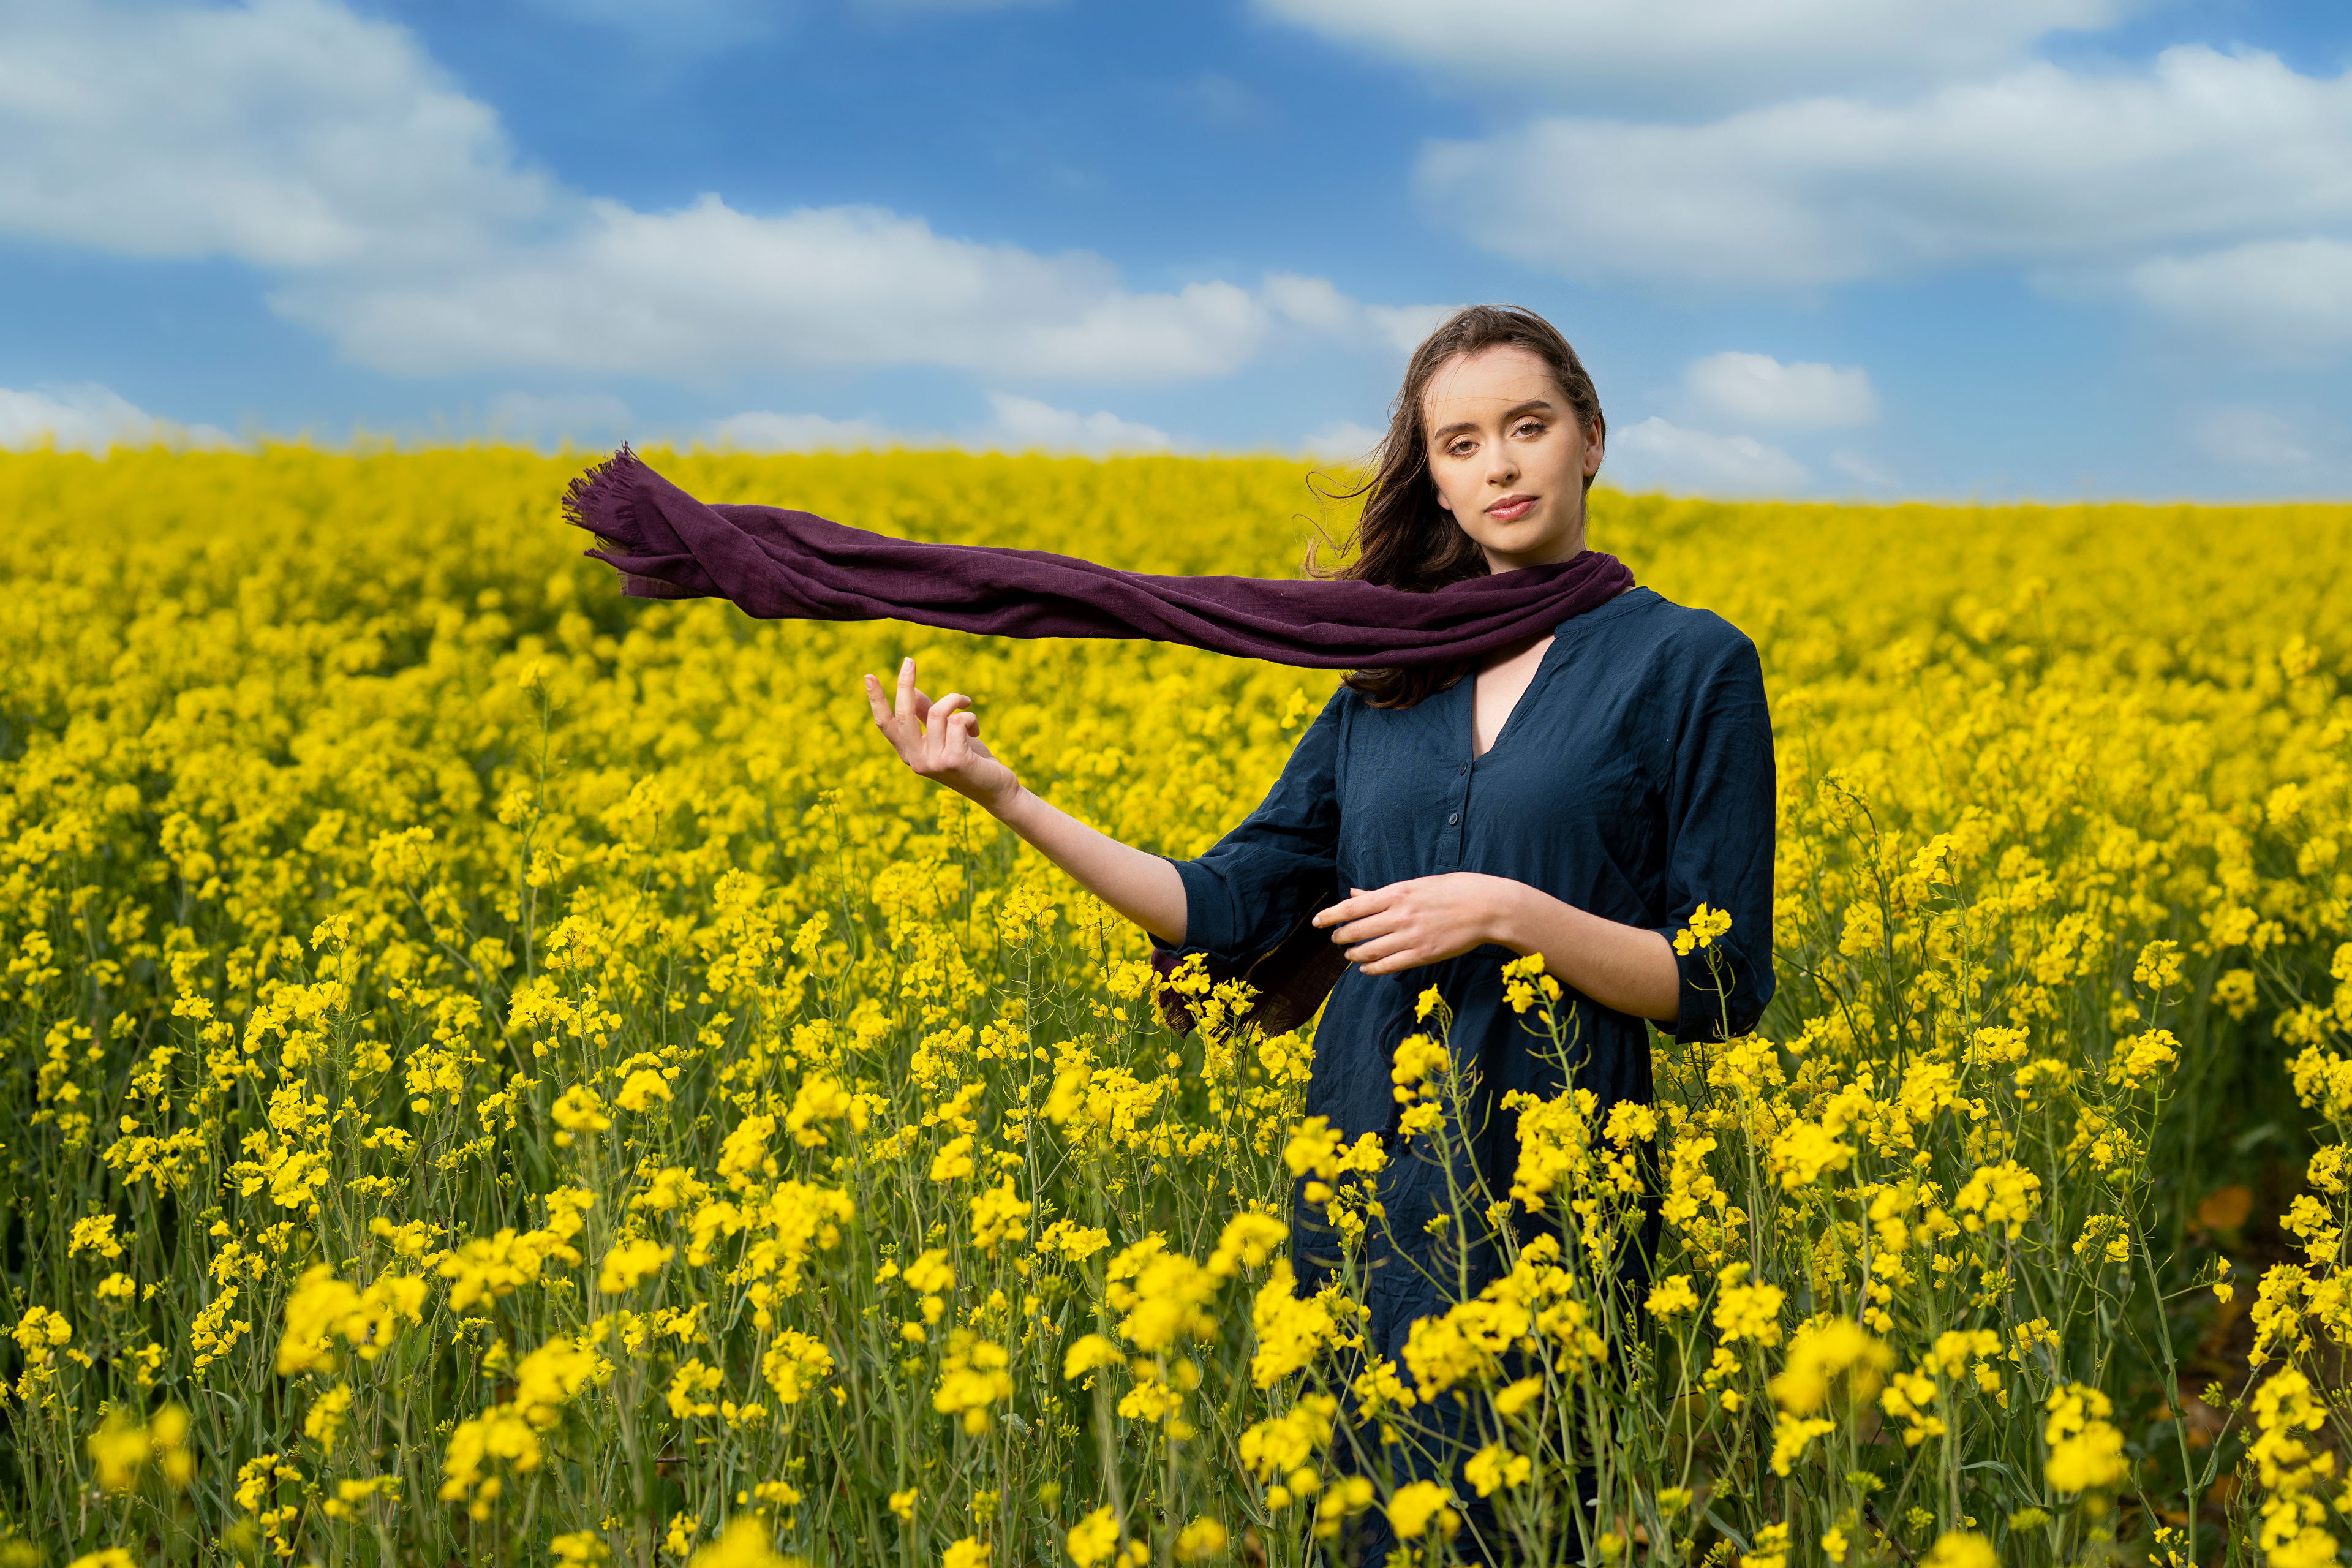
x=1515, y=916
x=1012, y=803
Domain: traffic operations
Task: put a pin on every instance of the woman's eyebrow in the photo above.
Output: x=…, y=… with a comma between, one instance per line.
x=1532, y=405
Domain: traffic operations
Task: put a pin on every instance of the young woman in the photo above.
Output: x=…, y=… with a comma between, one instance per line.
x=1578, y=795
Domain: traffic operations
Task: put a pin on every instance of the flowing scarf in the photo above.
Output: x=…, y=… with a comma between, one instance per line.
x=779, y=564
x=790, y=566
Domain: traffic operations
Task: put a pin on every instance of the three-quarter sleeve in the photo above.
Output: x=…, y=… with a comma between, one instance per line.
x=1254, y=885
x=1720, y=807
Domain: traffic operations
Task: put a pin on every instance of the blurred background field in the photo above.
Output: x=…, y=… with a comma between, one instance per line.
x=497, y=1069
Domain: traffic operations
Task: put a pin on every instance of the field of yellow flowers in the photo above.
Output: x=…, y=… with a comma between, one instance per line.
x=497, y=1073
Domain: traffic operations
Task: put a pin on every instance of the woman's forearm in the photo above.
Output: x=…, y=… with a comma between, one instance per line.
x=1629, y=968
x=940, y=740
x=1144, y=887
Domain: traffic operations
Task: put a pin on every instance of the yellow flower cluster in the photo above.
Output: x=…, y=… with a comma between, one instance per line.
x=504, y=1072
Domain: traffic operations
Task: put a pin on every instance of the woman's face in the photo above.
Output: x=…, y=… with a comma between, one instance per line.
x=1508, y=456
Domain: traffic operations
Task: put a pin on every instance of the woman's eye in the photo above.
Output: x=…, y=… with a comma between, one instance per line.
x=1531, y=428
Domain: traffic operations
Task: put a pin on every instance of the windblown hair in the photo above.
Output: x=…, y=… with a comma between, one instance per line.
x=1404, y=538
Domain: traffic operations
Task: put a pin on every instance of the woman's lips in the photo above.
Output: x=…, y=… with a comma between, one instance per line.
x=1510, y=508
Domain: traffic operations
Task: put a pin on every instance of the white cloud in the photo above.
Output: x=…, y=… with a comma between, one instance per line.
x=283, y=132
x=1316, y=304
x=1757, y=389
x=331, y=150
x=708, y=289
x=1025, y=425
x=1707, y=54
x=2270, y=299
x=765, y=431
x=1656, y=455
x=2257, y=438
x=1016, y=425
x=89, y=417
x=2043, y=166
x=1341, y=441
x=1405, y=326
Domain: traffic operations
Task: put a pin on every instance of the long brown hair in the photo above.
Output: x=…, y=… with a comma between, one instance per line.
x=1404, y=539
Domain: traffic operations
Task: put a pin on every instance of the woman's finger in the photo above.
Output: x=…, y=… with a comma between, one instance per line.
x=874, y=700
x=1359, y=904
x=955, y=706
x=939, y=727
x=1381, y=949
x=1371, y=915
x=906, y=706
x=1363, y=928
x=953, y=734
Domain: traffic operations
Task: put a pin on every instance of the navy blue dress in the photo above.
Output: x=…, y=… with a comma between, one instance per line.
x=1635, y=779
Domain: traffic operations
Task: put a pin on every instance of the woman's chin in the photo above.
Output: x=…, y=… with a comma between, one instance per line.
x=1534, y=548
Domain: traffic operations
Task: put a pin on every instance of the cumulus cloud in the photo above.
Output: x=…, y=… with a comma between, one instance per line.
x=1025, y=425
x=1757, y=389
x=708, y=291
x=1656, y=455
x=1318, y=306
x=1696, y=53
x=760, y=431
x=2269, y=299
x=1015, y=425
x=283, y=132
x=2260, y=439
x=330, y=150
x=2042, y=166
x=89, y=417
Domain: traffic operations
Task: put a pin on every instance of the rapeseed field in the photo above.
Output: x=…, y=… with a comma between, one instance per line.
x=497, y=1073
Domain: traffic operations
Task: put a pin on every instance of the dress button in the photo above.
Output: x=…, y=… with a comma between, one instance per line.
x=1466, y=767
x=1453, y=820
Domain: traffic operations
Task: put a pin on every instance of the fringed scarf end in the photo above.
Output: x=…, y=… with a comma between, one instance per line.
x=602, y=501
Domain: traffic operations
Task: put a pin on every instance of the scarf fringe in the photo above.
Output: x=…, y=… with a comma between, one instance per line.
x=602, y=502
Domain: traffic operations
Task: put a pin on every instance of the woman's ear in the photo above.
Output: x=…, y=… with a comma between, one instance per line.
x=1594, y=442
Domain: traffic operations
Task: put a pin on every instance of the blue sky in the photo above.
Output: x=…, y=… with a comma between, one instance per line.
x=2012, y=248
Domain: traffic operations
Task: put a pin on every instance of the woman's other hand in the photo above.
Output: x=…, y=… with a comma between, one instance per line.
x=940, y=739
x=1425, y=920
x=1431, y=919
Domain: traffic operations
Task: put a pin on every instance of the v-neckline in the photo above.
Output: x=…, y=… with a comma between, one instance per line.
x=1543, y=665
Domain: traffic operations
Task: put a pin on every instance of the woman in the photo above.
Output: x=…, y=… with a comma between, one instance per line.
x=1578, y=795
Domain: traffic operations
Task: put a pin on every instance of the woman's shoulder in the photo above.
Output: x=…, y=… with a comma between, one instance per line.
x=1643, y=625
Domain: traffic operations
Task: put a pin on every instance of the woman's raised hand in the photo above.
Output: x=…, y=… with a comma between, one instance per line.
x=940, y=739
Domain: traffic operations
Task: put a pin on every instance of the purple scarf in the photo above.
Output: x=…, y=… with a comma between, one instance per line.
x=779, y=564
